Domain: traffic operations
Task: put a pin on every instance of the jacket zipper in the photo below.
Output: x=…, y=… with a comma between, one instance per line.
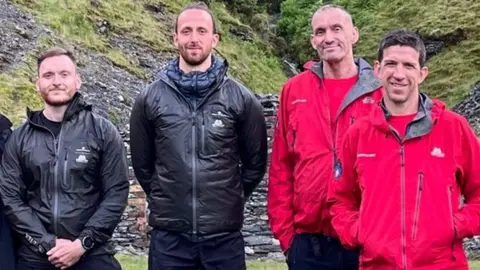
x=402, y=185
x=203, y=135
x=294, y=137
x=334, y=131
x=56, y=144
x=65, y=161
x=449, y=192
x=417, y=205
x=194, y=171
x=56, y=181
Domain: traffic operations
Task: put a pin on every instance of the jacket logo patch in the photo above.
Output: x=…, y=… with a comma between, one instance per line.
x=218, y=124
x=299, y=100
x=437, y=152
x=82, y=159
x=82, y=154
x=368, y=100
x=220, y=114
x=82, y=150
x=366, y=155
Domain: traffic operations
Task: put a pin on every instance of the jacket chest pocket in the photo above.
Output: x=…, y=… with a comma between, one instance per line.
x=217, y=133
x=81, y=165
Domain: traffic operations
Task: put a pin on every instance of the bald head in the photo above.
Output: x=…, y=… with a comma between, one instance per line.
x=337, y=9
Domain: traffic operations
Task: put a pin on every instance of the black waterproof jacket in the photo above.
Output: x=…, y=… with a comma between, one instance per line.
x=7, y=253
x=68, y=187
x=187, y=151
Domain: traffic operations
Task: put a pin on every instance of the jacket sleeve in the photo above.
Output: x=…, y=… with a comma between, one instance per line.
x=114, y=176
x=280, y=180
x=343, y=198
x=467, y=219
x=253, y=145
x=20, y=215
x=5, y=132
x=142, y=145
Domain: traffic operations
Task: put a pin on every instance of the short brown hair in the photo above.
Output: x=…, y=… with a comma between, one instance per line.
x=199, y=6
x=55, y=51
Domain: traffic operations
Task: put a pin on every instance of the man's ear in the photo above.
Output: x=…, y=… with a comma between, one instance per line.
x=312, y=36
x=423, y=74
x=175, y=40
x=376, y=68
x=215, y=40
x=355, y=35
x=37, y=84
x=78, y=81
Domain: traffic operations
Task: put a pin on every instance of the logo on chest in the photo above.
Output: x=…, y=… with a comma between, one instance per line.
x=82, y=154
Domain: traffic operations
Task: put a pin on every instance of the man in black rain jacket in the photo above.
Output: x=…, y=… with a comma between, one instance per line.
x=63, y=176
x=199, y=148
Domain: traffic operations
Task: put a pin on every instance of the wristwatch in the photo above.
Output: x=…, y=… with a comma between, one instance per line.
x=87, y=242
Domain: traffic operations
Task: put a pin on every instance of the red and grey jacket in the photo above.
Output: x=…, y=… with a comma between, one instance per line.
x=399, y=200
x=304, y=149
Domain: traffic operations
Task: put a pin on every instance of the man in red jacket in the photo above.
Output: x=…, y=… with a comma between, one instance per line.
x=316, y=108
x=405, y=168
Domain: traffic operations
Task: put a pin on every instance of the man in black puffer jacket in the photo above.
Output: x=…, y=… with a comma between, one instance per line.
x=199, y=149
x=7, y=252
x=64, y=176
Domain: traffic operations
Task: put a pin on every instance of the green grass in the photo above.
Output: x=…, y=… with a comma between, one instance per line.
x=139, y=263
x=454, y=71
x=252, y=63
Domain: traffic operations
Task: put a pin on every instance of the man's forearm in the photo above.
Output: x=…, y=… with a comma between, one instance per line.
x=28, y=226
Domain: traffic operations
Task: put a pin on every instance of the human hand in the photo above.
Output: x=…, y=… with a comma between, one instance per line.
x=65, y=253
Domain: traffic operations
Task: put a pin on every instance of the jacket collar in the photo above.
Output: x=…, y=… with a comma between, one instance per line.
x=429, y=111
x=367, y=81
x=76, y=105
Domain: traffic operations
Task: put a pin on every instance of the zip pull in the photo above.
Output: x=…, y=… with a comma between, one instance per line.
x=420, y=183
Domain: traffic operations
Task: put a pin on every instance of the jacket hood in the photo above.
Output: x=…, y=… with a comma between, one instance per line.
x=196, y=83
x=429, y=111
x=76, y=105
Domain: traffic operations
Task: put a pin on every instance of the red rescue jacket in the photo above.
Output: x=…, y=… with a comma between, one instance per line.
x=399, y=200
x=304, y=149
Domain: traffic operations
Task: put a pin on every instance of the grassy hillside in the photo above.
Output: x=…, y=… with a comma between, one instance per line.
x=452, y=72
x=455, y=69
x=74, y=22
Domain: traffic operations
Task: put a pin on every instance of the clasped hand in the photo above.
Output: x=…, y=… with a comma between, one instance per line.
x=65, y=253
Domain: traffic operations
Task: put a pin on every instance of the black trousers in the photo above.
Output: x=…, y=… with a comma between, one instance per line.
x=319, y=252
x=172, y=251
x=100, y=262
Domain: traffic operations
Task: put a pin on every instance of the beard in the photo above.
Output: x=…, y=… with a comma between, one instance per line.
x=55, y=101
x=193, y=59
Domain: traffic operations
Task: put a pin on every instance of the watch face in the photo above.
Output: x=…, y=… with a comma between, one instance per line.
x=88, y=242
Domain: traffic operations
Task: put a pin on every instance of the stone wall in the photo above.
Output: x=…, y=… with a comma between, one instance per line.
x=131, y=235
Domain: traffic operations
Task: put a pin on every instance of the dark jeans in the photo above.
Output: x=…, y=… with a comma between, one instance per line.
x=173, y=251
x=319, y=252
x=98, y=262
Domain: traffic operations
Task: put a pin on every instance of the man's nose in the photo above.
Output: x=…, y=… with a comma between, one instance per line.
x=56, y=80
x=328, y=37
x=399, y=73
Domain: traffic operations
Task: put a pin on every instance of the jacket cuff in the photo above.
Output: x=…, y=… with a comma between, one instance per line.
x=86, y=232
x=462, y=226
x=48, y=242
x=350, y=237
x=286, y=241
